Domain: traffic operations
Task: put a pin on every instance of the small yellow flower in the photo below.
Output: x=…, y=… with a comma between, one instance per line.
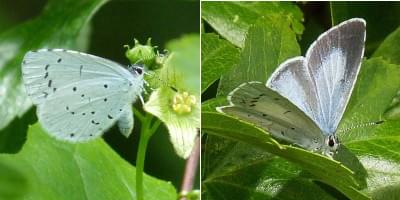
x=183, y=103
x=180, y=112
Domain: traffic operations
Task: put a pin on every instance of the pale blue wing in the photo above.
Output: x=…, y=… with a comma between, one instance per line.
x=78, y=95
x=126, y=122
x=46, y=69
x=321, y=83
x=255, y=103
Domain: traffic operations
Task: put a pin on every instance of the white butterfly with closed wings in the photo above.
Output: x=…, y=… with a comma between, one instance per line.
x=79, y=96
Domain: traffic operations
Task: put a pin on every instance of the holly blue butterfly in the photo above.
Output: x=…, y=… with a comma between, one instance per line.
x=79, y=96
x=304, y=99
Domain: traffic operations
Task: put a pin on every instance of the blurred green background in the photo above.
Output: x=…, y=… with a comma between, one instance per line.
x=114, y=25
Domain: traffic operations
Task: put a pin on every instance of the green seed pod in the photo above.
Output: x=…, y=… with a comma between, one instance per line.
x=141, y=53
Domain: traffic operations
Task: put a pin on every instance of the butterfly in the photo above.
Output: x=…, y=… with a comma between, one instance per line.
x=79, y=96
x=305, y=98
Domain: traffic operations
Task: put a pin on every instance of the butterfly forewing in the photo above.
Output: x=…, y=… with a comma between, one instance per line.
x=47, y=69
x=321, y=83
x=256, y=103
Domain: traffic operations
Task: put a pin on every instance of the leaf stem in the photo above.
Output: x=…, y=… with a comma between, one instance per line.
x=190, y=170
x=147, y=130
x=139, y=115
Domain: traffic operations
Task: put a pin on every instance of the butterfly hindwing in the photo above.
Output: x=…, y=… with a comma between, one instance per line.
x=84, y=111
x=255, y=103
x=126, y=122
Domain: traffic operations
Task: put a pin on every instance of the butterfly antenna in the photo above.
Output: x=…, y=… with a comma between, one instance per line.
x=141, y=99
x=362, y=125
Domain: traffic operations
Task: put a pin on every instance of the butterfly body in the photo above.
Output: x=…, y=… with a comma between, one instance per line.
x=78, y=95
x=304, y=99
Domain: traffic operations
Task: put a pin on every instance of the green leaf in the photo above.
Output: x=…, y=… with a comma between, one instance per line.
x=377, y=78
x=236, y=170
x=217, y=57
x=183, y=64
x=233, y=19
x=13, y=184
x=374, y=13
x=320, y=167
x=211, y=104
x=268, y=44
x=92, y=170
x=59, y=26
x=389, y=48
x=376, y=146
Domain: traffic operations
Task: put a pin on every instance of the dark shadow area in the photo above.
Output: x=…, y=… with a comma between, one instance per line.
x=13, y=137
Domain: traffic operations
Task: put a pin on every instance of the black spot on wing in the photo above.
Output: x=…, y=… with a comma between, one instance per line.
x=379, y=122
x=49, y=84
x=54, y=89
x=286, y=112
x=71, y=135
x=80, y=70
x=95, y=123
x=47, y=67
x=109, y=117
x=105, y=86
x=105, y=99
x=93, y=112
x=46, y=75
x=74, y=89
x=59, y=60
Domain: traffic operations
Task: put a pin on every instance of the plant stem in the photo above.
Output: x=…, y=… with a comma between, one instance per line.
x=147, y=130
x=190, y=170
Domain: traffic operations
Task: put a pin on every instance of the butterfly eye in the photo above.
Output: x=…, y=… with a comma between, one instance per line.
x=138, y=70
x=331, y=142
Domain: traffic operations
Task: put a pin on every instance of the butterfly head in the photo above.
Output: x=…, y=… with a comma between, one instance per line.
x=136, y=69
x=332, y=144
